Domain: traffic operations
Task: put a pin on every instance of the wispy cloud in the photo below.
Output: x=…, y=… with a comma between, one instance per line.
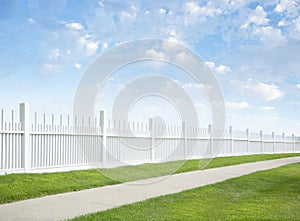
x=267, y=108
x=286, y=5
x=31, y=21
x=75, y=26
x=270, y=36
x=207, y=10
x=219, y=69
x=237, y=105
x=87, y=43
x=261, y=90
x=194, y=86
x=77, y=65
x=50, y=68
x=162, y=11
x=256, y=17
x=156, y=54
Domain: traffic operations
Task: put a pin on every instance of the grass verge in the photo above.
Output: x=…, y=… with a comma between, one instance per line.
x=266, y=195
x=15, y=187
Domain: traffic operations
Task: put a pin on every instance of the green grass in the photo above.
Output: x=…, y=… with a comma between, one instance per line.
x=266, y=195
x=15, y=187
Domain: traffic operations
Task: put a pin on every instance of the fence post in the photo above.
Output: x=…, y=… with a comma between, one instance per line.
x=184, y=139
x=273, y=137
x=261, y=140
x=152, y=139
x=104, y=134
x=210, y=132
x=25, y=140
x=283, y=141
x=248, y=141
x=294, y=145
x=231, y=139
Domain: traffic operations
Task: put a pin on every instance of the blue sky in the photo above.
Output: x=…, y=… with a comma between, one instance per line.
x=252, y=47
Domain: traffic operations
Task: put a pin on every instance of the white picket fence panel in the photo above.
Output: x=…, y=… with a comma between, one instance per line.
x=53, y=144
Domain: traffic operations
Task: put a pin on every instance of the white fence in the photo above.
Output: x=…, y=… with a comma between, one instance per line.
x=86, y=143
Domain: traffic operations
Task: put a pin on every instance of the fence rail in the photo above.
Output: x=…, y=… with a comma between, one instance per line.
x=59, y=144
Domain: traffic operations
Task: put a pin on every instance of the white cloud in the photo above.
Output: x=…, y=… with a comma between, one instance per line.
x=173, y=33
x=200, y=105
x=77, y=65
x=257, y=17
x=297, y=24
x=192, y=7
x=183, y=57
x=237, y=105
x=268, y=92
x=282, y=23
x=156, y=54
x=264, y=91
x=210, y=64
x=31, y=21
x=162, y=11
x=174, y=36
x=55, y=54
x=134, y=8
x=74, y=26
x=286, y=5
x=294, y=28
x=266, y=108
x=170, y=47
x=269, y=36
x=208, y=10
x=298, y=86
x=125, y=16
x=50, y=67
x=104, y=45
x=91, y=47
x=257, y=27
x=221, y=69
x=88, y=44
x=101, y=4
x=195, y=86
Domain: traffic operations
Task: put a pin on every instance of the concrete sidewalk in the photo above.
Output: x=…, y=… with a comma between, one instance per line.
x=69, y=205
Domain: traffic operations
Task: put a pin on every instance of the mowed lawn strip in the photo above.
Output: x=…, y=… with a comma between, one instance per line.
x=16, y=187
x=265, y=195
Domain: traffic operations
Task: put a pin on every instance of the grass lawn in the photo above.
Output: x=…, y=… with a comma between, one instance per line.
x=266, y=195
x=15, y=187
